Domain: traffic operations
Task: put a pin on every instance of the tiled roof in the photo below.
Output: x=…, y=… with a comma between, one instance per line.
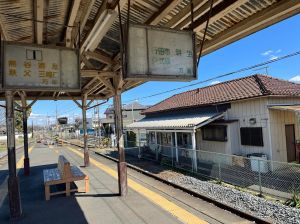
x=243, y=88
x=134, y=106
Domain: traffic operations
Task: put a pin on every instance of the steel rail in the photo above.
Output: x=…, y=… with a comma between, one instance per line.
x=219, y=204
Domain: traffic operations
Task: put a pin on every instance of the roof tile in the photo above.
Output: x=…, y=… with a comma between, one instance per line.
x=247, y=87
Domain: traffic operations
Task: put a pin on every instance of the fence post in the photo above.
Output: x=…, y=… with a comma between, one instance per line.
x=172, y=153
x=259, y=178
x=219, y=167
x=139, y=144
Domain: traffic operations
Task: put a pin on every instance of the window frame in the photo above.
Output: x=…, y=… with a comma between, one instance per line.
x=214, y=139
x=248, y=141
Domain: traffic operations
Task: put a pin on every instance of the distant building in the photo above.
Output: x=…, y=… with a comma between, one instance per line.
x=255, y=114
x=130, y=112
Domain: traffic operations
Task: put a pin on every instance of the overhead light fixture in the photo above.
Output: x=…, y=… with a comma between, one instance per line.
x=99, y=30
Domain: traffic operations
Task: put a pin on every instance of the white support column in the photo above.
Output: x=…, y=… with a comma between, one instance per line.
x=194, y=150
x=176, y=147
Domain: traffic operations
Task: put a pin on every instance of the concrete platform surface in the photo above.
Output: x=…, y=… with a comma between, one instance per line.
x=148, y=201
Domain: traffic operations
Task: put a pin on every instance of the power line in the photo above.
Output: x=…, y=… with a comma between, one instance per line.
x=220, y=76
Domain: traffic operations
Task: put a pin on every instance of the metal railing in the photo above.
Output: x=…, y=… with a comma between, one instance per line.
x=254, y=173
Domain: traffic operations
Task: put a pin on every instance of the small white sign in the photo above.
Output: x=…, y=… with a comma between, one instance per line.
x=160, y=54
x=38, y=67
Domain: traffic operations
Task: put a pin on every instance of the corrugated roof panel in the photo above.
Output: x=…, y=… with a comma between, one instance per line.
x=173, y=122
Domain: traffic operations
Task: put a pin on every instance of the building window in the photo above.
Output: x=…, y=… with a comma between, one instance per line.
x=215, y=133
x=124, y=115
x=110, y=117
x=252, y=136
x=184, y=140
x=152, y=137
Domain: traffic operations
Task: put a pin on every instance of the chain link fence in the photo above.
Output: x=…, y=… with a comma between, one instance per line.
x=255, y=173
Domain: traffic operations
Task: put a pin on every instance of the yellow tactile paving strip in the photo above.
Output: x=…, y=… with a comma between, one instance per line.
x=180, y=213
x=20, y=162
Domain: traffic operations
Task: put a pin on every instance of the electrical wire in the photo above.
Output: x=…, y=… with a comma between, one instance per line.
x=221, y=76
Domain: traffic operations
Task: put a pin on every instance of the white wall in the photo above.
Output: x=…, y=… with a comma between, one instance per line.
x=278, y=120
x=212, y=146
x=243, y=111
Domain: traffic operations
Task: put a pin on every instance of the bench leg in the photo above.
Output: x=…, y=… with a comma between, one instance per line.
x=47, y=192
x=87, y=184
x=68, y=189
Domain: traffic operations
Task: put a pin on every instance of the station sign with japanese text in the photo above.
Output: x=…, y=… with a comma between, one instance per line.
x=155, y=53
x=39, y=67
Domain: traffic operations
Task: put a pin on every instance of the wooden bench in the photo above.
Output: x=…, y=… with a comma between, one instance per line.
x=63, y=174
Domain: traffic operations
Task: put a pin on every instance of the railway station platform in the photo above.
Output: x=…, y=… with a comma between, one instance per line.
x=148, y=200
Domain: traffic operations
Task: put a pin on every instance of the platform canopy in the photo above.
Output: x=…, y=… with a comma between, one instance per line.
x=56, y=23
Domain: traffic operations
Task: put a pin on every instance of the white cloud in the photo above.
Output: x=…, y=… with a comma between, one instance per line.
x=34, y=115
x=295, y=79
x=273, y=57
x=271, y=54
x=215, y=82
x=266, y=53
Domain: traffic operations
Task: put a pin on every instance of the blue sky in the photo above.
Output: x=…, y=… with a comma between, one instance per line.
x=275, y=41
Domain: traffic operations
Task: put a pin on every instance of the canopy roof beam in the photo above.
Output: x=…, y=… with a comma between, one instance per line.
x=39, y=16
x=264, y=18
x=72, y=17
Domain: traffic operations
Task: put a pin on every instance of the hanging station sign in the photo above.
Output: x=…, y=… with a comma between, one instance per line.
x=155, y=54
x=39, y=67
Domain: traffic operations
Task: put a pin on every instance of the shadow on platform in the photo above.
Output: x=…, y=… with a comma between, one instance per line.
x=36, y=209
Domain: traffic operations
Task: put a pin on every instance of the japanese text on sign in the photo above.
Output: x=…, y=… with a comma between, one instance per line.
x=160, y=54
x=37, y=67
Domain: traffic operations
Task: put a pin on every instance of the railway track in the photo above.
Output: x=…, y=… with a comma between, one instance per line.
x=219, y=204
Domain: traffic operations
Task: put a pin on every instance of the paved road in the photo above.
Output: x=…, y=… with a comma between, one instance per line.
x=148, y=200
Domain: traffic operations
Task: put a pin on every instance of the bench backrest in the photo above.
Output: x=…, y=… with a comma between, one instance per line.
x=64, y=167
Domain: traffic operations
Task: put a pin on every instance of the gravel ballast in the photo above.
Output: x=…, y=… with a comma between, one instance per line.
x=260, y=207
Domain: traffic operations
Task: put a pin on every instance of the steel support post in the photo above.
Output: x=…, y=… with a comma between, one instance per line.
x=85, y=136
x=13, y=181
x=122, y=168
x=25, y=135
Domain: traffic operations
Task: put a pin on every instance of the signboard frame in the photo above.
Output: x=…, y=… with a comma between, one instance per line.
x=158, y=77
x=6, y=86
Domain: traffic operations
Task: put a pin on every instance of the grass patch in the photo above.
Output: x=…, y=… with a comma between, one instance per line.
x=3, y=144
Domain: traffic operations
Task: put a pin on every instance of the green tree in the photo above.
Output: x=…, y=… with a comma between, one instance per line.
x=19, y=119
